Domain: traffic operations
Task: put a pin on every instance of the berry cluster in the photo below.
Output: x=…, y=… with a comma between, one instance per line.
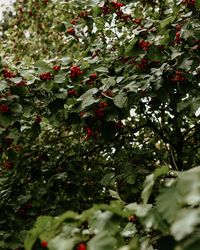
x=106, y=10
x=8, y=74
x=177, y=38
x=4, y=108
x=123, y=17
x=21, y=84
x=144, y=44
x=45, y=76
x=89, y=133
x=178, y=77
x=117, y=5
x=190, y=3
x=100, y=110
x=75, y=71
x=142, y=64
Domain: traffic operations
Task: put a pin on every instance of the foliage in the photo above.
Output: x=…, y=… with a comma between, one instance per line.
x=98, y=97
x=175, y=217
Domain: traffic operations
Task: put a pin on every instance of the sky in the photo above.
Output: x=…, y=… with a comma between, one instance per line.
x=7, y=4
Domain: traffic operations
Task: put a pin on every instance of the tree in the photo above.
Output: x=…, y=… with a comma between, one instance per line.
x=98, y=98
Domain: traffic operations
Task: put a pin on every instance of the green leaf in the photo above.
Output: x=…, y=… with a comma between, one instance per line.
x=166, y=21
x=88, y=93
x=140, y=210
x=120, y=99
x=16, y=108
x=150, y=181
x=42, y=224
x=5, y=120
x=168, y=203
x=42, y=66
x=108, y=179
x=188, y=186
x=197, y=4
x=186, y=64
x=102, y=222
x=148, y=186
x=130, y=49
x=17, y=79
x=102, y=241
x=87, y=98
x=3, y=85
x=61, y=243
x=185, y=223
x=129, y=230
x=102, y=69
x=60, y=78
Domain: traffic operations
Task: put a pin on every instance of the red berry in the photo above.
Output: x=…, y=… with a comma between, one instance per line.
x=178, y=77
x=71, y=31
x=8, y=74
x=103, y=104
x=119, y=125
x=105, y=10
x=44, y=244
x=4, y=108
x=117, y=5
x=142, y=64
x=21, y=84
x=74, y=21
x=56, y=67
x=89, y=132
x=81, y=246
x=38, y=119
x=178, y=39
x=190, y=3
x=75, y=71
x=144, y=45
x=93, y=76
x=72, y=92
x=45, y=76
x=137, y=20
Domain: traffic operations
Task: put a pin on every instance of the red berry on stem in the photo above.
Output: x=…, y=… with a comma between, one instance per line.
x=81, y=246
x=44, y=244
x=56, y=67
x=71, y=31
x=93, y=76
x=72, y=92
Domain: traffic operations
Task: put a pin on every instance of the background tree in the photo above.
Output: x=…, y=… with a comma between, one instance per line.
x=97, y=98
